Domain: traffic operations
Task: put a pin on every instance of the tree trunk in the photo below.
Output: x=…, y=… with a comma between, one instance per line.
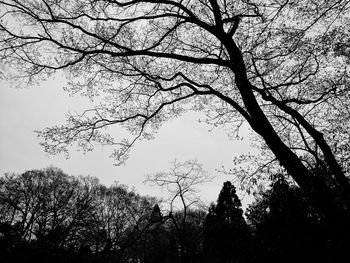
x=325, y=199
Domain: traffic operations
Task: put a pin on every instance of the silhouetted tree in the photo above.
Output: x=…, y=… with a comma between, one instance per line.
x=181, y=181
x=44, y=210
x=226, y=235
x=44, y=205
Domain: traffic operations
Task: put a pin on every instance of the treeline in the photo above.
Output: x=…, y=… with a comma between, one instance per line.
x=48, y=216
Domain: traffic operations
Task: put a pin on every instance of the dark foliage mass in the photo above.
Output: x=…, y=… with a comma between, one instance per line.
x=48, y=216
x=287, y=229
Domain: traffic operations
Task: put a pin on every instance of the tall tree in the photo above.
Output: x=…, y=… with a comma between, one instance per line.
x=226, y=235
x=228, y=207
x=271, y=63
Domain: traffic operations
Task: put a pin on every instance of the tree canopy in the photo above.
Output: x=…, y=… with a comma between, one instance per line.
x=280, y=66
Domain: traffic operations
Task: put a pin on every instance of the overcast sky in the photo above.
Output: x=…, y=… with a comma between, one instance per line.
x=24, y=110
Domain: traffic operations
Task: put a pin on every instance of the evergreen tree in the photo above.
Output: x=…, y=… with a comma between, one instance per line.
x=156, y=215
x=228, y=206
x=225, y=232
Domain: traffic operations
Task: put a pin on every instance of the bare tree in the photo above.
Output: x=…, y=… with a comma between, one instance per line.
x=280, y=66
x=45, y=205
x=118, y=220
x=181, y=183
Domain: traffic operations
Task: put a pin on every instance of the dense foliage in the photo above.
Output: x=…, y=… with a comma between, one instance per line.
x=286, y=228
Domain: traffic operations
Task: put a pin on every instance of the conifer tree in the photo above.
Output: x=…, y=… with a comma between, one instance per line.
x=225, y=230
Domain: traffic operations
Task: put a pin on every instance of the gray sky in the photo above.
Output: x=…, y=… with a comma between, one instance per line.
x=24, y=110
